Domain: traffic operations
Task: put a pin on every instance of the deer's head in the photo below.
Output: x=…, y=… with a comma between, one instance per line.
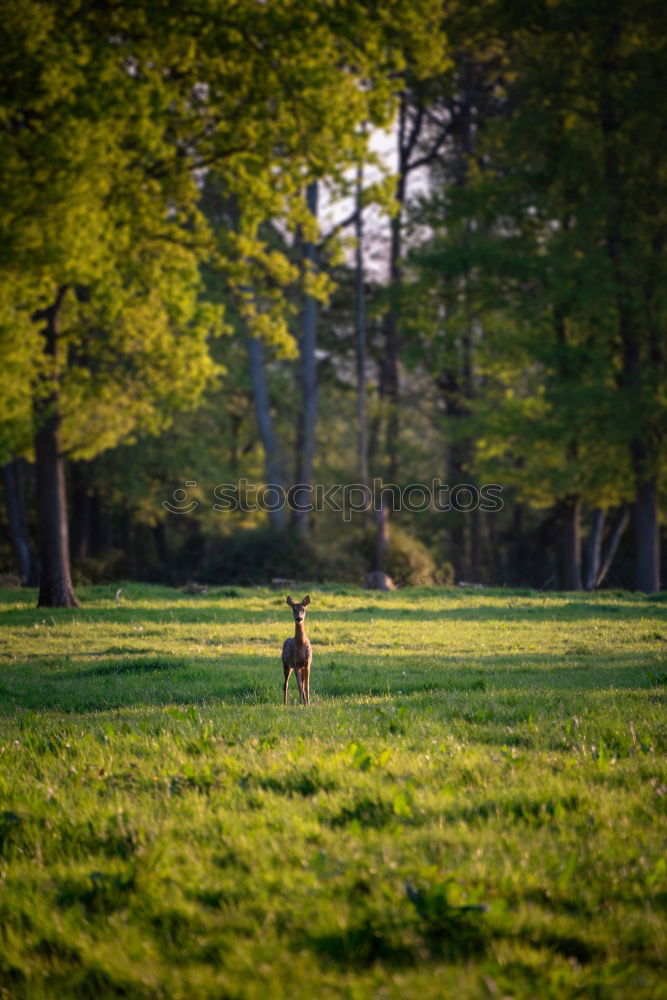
x=299, y=610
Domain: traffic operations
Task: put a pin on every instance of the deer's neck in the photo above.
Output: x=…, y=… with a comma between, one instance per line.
x=299, y=633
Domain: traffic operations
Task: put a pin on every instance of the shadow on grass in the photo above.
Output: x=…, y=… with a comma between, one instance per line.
x=362, y=945
x=139, y=665
x=440, y=930
x=397, y=606
x=153, y=680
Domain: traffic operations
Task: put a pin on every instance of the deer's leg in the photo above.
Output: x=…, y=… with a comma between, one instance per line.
x=299, y=677
x=306, y=683
x=288, y=671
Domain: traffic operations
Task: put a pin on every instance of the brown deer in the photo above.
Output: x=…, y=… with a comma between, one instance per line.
x=298, y=653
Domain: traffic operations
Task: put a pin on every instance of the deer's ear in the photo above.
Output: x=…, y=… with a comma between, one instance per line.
x=306, y=600
x=290, y=601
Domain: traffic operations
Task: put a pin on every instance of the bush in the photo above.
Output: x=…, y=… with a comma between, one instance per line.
x=105, y=568
x=409, y=563
x=257, y=556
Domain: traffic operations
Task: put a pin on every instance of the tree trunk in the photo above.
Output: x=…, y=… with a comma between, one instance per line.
x=81, y=510
x=456, y=518
x=475, y=544
x=26, y=561
x=236, y=422
x=408, y=135
x=647, y=539
x=389, y=390
x=518, y=548
x=571, y=511
x=388, y=382
x=490, y=564
x=101, y=535
x=457, y=452
x=360, y=330
x=593, y=547
x=55, y=582
x=267, y=433
x=161, y=544
x=639, y=353
x=457, y=384
x=548, y=536
x=305, y=436
x=613, y=543
x=382, y=538
x=381, y=516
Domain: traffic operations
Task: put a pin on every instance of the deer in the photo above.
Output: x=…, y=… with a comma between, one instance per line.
x=298, y=652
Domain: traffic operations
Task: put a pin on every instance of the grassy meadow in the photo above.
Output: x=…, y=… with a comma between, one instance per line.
x=473, y=805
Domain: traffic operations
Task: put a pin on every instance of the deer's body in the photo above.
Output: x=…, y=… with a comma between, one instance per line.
x=298, y=653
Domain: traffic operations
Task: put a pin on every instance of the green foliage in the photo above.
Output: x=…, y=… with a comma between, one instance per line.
x=411, y=564
x=168, y=827
x=545, y=262
x=408, y=560
x=259, y=555
x=109, y=119
x=83, y=212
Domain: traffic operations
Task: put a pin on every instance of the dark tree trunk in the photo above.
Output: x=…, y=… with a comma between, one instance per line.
x=388, y=418
x=647, y=539
x=55, y=582
x=493, y=545
x=458, y=384
x=380, y=516
x=130, y=539
x=458, y=548
x=26, y=560
x=360, y=331
x=389, y=381
x=475, y=544
x=456, y=518
x=94, y=515
x=389, y=386
x=641, y=349
x=382, y=538
x=593, y=548
x=457, y=452
x=571, y=536
x=267, y=433
x=101, y=534
x=468, y=381
x=612, y=543
x=161, y=544
x=305, y=436
x=81, y=510
x=547, y=564
x=518, y=547
x=236, y=422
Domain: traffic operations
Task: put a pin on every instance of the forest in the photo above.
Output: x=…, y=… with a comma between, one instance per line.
x=339, y=291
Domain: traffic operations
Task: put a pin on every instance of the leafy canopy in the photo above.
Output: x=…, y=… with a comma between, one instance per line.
x=111, y=116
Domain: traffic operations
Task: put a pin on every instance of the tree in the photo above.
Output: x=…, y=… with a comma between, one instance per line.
x=307, y=415
x=18, y=528
x=118, y=111
x=563, y=259
x=592, y=76
x=103, y=270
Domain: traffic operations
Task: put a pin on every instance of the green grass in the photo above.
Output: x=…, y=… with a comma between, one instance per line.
x=473, y=805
